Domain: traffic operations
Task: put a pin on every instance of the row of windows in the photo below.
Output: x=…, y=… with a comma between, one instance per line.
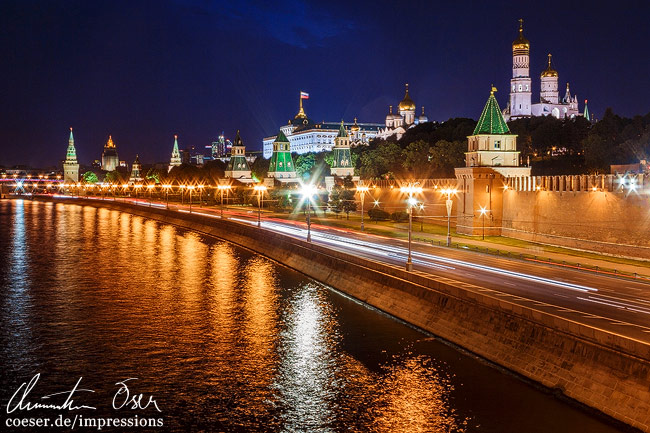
x=520, y=88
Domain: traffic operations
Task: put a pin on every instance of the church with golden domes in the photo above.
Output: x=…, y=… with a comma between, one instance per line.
x=550, y=104
x=403, y=119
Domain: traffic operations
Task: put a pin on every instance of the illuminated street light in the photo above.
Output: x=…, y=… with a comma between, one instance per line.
x=449, y=203
x=412, y=188
x=260, y=195
x=167, y=187
x=482, y=212
x=221, y=189
x=191, y=188
x=308, y=192
x=362, y=190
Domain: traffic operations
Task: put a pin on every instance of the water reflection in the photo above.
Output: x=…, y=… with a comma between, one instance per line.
x=228, y=340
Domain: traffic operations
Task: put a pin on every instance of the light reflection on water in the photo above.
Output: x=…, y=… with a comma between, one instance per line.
x=228, y=340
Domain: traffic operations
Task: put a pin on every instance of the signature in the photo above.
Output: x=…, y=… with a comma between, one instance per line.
x=26, y=387
x=122, y=399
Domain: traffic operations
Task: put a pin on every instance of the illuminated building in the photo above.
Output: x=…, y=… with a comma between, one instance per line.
x=281, y=165
x=398, y=123
x=238, y=167
x=110, y=161
x=71, y=165
x=305, y=135
x=176, y=155
x=520, y=104
x=136, y=171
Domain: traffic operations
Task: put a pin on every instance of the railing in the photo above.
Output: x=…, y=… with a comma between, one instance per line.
x=579, y=183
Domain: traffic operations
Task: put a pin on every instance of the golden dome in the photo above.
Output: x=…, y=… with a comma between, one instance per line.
x=521, y=43
x=549, y=71
x=407, y=103
x=355, y=127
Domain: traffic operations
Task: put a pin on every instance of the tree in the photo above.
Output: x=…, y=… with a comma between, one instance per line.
x=114, y=177
x=416, y=159
x=304, y=165
x=445, y=155
x=89, y=177
x=153, y=175
x=259, y=168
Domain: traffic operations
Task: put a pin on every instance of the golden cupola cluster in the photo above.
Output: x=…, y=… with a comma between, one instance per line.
x=549, y=71
x=407, y=103
x=520, y=46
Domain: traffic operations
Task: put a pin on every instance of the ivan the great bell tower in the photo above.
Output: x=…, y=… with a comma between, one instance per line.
x=520, y=84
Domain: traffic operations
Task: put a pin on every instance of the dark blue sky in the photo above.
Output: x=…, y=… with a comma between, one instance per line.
x=145, y=70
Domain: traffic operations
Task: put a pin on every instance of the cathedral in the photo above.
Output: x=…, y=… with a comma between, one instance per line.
x=520, y=104
x=398, y=123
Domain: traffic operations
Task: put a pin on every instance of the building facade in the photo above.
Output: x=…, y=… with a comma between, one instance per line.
x=396, y=124
x=71, y=165
x=305, y=135
x=520, y=104
x=110, y=160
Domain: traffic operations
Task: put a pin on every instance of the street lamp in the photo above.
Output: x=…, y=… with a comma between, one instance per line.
x=411, y=189
x=167, y=188
x=191, y=188
x=260, y=194
x=308, y=192
x=449, y=203
x=221, y=189
x=483, y=211
x=362, y=190
x=150, y=187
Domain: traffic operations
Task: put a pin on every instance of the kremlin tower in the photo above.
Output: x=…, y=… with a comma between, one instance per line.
x=71, y=166
x=238, y=167
x=176, y=155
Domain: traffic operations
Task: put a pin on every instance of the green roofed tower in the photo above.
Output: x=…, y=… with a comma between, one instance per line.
x=342, y=161
x=492, y=144
x=71, y=165
x=281, y=166
x=238, y=167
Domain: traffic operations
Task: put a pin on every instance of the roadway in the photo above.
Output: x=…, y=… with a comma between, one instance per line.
x=616, y=304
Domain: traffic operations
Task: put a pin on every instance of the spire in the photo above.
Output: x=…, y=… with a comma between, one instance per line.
x=176, y=155
x=586, y=112
x=342, y=132
x=491, y=120
x=390, y=109
x=238, y=141
x=109, y=143
x=423, y=110
x=567, y=95
x=71, y=154
x=281, y=138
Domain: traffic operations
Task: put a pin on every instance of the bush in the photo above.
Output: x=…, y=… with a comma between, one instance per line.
x=377, y=214
x=399, y=216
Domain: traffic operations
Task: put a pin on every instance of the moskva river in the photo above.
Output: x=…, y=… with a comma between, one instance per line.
x=162, y=329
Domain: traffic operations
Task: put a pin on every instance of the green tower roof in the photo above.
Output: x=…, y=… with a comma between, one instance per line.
x=71, y=155
x=586, y=113
x=281, y=138
x=342, y=132
x=491, y=120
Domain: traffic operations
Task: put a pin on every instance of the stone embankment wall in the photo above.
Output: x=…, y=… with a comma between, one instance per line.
x=603, y=370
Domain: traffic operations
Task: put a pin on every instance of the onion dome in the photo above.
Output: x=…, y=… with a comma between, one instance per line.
x=423, y=118
x=520, y=46
x=407, y=103
x=354, y=127
x=549, y=71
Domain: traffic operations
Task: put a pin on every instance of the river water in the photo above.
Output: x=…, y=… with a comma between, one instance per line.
x=223, y=339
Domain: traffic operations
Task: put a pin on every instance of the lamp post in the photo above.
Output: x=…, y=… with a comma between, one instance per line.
x=201, y=195
x=150, y=187
x=260, y=191
x=449, y=204
x=411, y=189
x=483, y=211
x=167, y=188
x=307, y=192
x=222, y=188
x=191, y=188
x=362, y=190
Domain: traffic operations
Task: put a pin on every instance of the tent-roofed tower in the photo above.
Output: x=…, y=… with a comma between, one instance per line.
x=491, y=144
x=491, y=157
x=281, y=165
x=342, y=162
x=176, y=155
x=586, y=112
x=238, y=167
x=136, y=170
x=71, y=165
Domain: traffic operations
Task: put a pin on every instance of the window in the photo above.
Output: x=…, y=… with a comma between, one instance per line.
x=526, y=87
x=497, y=144
x=520, y=87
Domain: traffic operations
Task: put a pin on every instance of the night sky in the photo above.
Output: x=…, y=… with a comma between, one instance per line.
x=143, y=71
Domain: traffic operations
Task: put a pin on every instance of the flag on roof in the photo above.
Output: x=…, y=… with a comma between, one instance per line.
x=304, y=95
